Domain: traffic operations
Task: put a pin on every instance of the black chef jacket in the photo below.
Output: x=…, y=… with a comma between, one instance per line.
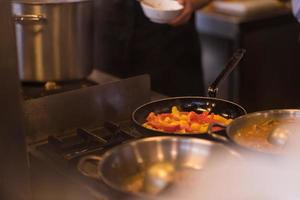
x=128, y=44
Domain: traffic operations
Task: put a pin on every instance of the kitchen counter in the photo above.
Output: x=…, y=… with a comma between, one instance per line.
x=270, y=67
x=209, y=20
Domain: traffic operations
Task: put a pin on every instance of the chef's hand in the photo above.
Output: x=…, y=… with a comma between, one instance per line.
x=189, y=6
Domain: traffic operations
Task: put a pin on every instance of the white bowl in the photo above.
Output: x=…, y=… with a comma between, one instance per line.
x=161, y=11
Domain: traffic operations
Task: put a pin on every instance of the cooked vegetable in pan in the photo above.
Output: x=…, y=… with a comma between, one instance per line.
x=183, y=122
x=255, y=136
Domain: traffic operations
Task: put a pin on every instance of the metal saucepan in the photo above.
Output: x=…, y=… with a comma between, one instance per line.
x=265, y=131
x=147, y=166
x=198, y=104
x=54, y=39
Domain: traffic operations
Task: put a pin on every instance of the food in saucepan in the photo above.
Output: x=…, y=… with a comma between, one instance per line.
x=256, y=136
x=183, y=122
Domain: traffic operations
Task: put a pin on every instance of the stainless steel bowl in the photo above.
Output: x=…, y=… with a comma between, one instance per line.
x=147, y=166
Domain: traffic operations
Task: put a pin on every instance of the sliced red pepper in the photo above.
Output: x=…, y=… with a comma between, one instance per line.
x=171, y=128
x=157, y=121
x=216, y=128
x=193, y=117
x=151, y=117
x=164, y=126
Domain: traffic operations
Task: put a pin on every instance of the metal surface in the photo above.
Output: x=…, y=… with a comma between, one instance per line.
x=29, y=18
x=258, y=118
x=279, y=136
x=14, y=173
x=216, y=136
x=84, y=108
x=54, y=39
x=60, y=155
x=135, y=161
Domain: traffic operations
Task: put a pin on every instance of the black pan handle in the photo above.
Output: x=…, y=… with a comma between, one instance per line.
x=232, y=63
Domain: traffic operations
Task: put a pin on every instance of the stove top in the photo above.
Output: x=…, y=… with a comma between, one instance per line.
x=62, y=155
x=85, y=142
x=63, y=128
x=31, y=90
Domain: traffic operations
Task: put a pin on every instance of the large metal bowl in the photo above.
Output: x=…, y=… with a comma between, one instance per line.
x=146, y=166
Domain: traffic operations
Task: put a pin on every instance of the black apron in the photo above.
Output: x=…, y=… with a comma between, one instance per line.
x=128, y=44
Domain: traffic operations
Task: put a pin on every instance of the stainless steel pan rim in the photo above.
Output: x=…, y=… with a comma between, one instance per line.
x=269, y=112
x=157, y=138
x=265, y=113
x=116, y=150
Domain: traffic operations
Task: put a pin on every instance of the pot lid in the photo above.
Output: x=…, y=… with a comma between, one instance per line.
x=47, y=1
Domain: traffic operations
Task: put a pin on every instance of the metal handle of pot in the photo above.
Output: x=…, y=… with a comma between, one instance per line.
x=215, y=135
x=232, y=63
x=83, y=161
x=29, y=18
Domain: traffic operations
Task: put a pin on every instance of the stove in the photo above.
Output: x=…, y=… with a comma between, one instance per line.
x=63, y=128
x=33, y=90
x=85, y=142
x=56, y=161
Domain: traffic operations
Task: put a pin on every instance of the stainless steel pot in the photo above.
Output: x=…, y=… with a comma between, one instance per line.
x=54, y=39
x=145, y=167
x=285, y=119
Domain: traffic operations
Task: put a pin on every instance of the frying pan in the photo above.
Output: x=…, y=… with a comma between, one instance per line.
x=212, y=104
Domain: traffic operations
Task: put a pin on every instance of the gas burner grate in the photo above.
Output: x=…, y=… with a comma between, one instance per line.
x=85, y=142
